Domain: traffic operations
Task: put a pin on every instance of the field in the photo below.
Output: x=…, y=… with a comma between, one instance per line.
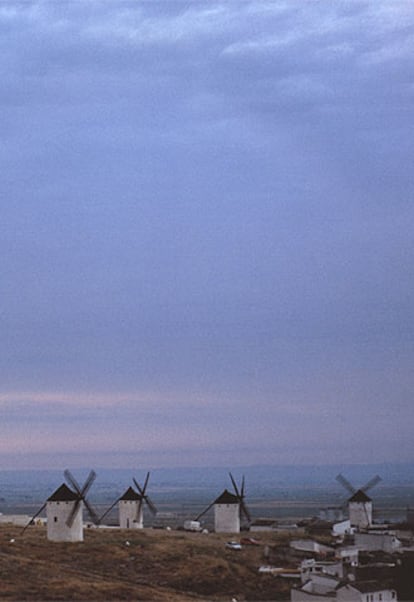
x=112, y=564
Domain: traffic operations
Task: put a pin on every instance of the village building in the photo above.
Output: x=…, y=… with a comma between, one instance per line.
x=320, y=588
x=384, y=542
x=309, y=545
x=365, y=591
x=342, y=528
x=311, y=567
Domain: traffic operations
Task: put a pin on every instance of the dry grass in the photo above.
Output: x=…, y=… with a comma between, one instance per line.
x=156, y=565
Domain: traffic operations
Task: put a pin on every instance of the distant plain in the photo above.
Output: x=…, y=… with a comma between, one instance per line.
x=282, y=492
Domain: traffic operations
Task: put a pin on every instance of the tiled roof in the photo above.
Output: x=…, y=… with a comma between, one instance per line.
x=63, y=494
x=130, y=496
x=365, y=587
x=227, y=498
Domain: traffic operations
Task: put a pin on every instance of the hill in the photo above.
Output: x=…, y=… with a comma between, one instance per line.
x=152, y=565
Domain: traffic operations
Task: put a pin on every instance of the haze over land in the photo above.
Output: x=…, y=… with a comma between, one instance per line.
x=206, y=252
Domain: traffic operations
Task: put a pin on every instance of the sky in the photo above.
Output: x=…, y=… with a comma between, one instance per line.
x=206, y=232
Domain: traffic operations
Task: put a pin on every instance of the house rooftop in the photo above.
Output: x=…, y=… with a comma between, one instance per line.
x=365, y=587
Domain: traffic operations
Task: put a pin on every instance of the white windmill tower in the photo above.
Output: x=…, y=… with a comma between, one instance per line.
x=359, y=504
x=64, y=510
x=229, y=509
x=131, y=506
x=130, y=510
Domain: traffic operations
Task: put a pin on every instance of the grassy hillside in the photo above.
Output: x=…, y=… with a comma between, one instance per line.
x=142, y=565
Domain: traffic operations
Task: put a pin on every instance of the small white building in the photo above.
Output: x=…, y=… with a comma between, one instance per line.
x=227, y=513
x=59, y=510
x=371, y=542
x=310, y=567
x=309, y=545
x=20, y=520
x=192, y=525
x=320, y=588
x=364, y=591
x=360, y=510
x=342, y=528
x=130, y=506
x=348, y=555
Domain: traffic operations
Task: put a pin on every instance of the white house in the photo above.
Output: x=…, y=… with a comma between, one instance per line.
x=59, y=509
x=386, y=542
x=365, y=591
x=130, y=506
x=227, y=513
x=320, y=588
x=310, y=567
x=349, y=555
x=342, y=528
x=308, y=545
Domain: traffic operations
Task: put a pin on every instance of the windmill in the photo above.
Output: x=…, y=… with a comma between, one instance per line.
x=64, y=510
x=359, y=504
x=229, y=509
x=131, y=506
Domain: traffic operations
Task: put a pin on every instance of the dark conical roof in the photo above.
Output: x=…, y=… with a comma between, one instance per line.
x=63, y=494
x=130, y=495
x=227, y=498
x=359, y=496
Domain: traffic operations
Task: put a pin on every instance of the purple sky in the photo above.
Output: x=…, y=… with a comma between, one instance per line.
x=206, y=250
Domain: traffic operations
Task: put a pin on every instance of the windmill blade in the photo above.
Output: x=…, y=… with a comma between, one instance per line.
x=374, y=481
x=81, y=496
x=205, y=511
x=33, y=517
x=137, y=485
x=109, y=510
x=242, y=488
x=341, y=479
x=88, y=483
x=243, y=509
x=150, y=505
x=71, y=517
x=91, y=512
x=141, y=491
x=235, y=486
x=366, y=516
x=145, y=483
x=72, y=481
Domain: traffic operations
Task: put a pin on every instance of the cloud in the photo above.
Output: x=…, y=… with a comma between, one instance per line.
x=206, y=217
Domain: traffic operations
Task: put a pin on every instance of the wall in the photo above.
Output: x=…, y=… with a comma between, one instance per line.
x=226, y=518
x=57, y=514
x=385, y=542
x=297, y=595
x=350, y=594
x=128, y=518
x=360, y=514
